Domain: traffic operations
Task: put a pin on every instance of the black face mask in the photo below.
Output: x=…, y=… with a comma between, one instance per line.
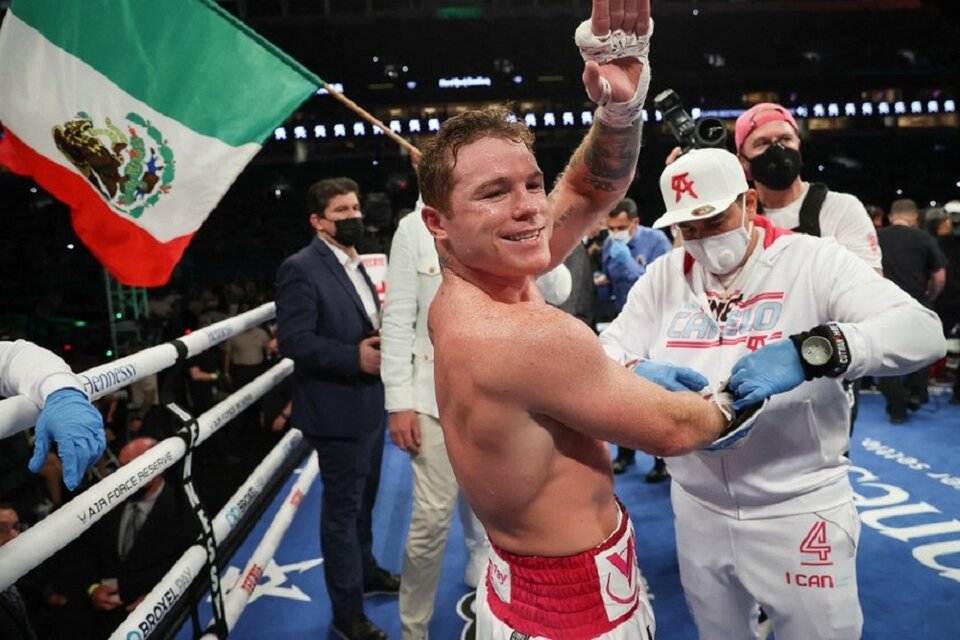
x=348, y=232
x=777, y=167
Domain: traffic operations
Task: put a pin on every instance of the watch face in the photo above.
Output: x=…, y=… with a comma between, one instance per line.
x=816, y=350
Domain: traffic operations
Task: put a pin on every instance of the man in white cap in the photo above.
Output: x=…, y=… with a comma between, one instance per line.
x=777, y=315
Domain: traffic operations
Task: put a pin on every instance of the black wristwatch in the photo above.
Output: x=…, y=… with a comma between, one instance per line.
x=823, y=351
x=816, y=351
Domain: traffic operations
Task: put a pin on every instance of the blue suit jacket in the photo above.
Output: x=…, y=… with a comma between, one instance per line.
x=320, y=322
x=645, y=246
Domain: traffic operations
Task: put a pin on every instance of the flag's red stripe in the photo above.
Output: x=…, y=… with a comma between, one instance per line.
x=130, y=254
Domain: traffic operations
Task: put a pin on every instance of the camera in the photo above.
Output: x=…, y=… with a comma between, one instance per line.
x=704, y=133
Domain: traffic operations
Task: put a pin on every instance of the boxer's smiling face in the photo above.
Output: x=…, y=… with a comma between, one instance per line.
x=498, y=220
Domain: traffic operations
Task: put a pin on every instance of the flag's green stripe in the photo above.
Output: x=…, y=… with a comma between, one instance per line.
x=188, y=59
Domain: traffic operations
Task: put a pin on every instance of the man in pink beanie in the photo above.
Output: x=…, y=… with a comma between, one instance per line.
x=768, y=145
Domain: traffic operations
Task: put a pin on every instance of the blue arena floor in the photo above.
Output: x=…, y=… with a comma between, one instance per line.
x=907, y=477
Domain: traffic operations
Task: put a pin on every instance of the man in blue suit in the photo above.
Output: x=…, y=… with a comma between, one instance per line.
x=629, y=249
x=328, y=321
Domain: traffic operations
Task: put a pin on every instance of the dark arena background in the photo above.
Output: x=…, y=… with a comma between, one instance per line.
x=413, y=61
x=874, y=85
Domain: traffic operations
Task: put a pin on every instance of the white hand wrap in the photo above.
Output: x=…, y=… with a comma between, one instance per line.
x=741, y=422
x=614, y=46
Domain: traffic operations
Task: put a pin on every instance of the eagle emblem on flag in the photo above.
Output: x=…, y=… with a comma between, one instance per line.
x=132, y=168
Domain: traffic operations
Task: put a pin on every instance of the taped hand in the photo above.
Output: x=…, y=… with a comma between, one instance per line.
x=615, y=44
x=772, y=369
x=741, y=422
x=671, y=377
x=76, y=426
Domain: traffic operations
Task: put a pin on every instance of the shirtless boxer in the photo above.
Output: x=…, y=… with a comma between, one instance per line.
x=527, y=397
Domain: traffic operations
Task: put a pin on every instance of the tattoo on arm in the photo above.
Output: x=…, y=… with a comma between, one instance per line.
x=603, y=161
x=600, y=185
x=610, y=154
x=564, y=216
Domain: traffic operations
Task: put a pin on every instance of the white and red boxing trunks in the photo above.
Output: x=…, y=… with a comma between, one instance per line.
x=598, y=593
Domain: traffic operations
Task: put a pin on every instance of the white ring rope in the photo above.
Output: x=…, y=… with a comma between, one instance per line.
x=155, y=605
x=18, y=413
x=61, y=527
x=238, y=598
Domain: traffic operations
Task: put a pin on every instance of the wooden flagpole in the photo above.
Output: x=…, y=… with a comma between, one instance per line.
x=353, y=106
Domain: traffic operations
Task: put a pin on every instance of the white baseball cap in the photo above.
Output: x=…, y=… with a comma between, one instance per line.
x=700, y=184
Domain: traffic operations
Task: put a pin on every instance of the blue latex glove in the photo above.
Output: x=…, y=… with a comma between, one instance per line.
x=619, y=252
x=671, y=377
x=69, y=419
x=769, y=370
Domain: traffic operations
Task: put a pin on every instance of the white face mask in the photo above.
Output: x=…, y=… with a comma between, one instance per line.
x=722, y=253
x=623, y=235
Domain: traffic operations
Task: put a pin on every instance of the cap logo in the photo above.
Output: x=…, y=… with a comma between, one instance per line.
x=702, y=211
x=681, y=185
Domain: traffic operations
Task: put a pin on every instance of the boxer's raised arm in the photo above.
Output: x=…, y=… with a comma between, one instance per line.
x=614, y=44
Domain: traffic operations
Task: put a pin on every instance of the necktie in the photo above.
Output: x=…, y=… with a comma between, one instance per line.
x=129, y=533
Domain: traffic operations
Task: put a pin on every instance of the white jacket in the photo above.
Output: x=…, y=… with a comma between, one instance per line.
x=33, y=371
x=413, y=277
x=793, y=461
x=842, y=216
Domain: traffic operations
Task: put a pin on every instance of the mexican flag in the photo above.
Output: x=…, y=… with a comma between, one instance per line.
x=139, y=115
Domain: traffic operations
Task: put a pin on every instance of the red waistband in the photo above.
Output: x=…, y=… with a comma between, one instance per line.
x=567, y=597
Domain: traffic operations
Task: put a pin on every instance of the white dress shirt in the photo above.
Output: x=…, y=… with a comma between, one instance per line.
x=351, y=264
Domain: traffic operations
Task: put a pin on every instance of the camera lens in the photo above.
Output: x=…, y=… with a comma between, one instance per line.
x=711, y=132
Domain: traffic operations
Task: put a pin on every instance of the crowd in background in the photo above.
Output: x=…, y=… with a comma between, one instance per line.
x=65, y=595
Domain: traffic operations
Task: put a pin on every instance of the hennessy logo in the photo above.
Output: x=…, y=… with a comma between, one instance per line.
x=681, y=184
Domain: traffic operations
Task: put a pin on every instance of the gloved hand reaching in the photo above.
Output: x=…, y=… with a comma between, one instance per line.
x=619, y=251
x=774, y=368
x=76, y=426
x=671, y=377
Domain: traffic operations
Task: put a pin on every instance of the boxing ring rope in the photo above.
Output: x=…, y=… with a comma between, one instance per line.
x=174, y=584
x=61, y=527
x=239, y=596
x=18, y=413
